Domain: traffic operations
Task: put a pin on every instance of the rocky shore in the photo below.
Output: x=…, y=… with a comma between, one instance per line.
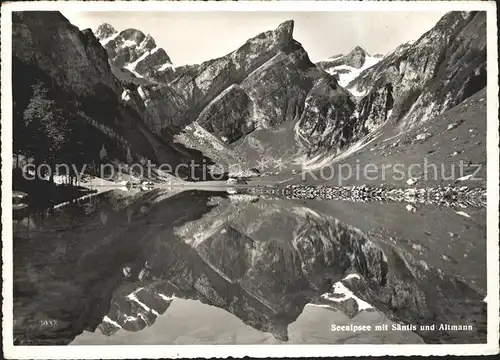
x=447, y=196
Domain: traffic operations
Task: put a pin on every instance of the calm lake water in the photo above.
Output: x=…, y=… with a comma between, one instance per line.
x=207, y=267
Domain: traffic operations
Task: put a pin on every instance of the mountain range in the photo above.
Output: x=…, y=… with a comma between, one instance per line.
x=118, y=261
x=265, y=100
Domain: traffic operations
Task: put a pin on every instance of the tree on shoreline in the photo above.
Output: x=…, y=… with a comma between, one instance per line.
x=47, y=125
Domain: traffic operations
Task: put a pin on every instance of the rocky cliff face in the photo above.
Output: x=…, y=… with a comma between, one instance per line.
x=72, y=68
x=436, y=72
x=229, y=116
x=191, y=89
x=355, y=58
x=268, y=83
x=418, y=80
x=48, y=40
x=328, y=119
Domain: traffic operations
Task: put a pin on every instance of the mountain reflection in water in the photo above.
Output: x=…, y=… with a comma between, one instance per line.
x=208, y=267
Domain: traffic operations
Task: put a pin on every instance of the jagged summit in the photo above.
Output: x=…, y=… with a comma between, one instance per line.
x=280, y=37
x=285, y=31
x=132, y=37
x=137, y=36
x=359, y=49
x=347, y=67
x=288, y=25
x=356, y=57
x=133, y=50
x=104, y=30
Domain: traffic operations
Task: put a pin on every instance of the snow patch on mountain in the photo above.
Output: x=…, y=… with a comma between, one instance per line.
x=141, y=92
x=125, y=95
x=165, y=297
x=111, y=322
x=347, y=73
x=108, y=39
x=357, y=93
x=165, y=67
x=352, y=276
x=133, y=65
x=131, y=68
x=341, y=293
x=132, y=296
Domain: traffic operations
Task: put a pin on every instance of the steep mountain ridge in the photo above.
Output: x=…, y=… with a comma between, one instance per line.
x=118, y=261
x=267, y=85
x=347, y=67
x=52, y=59
x=133, y=50
x=267, y=100
x=442, y=68
x=184, y=92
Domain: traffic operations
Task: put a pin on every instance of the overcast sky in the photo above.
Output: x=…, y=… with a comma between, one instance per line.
x=193, y=37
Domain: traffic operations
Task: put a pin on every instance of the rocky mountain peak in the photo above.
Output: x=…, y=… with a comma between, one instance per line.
x=360, y=50
x=356, y=57
x=345, y=68
x=134, y=35
x=285, y=31
x=148, y=42
x=272, y=40
x=104, y=31
x=133, y=50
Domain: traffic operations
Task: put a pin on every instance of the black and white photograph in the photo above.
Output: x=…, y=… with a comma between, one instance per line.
x=243, y=173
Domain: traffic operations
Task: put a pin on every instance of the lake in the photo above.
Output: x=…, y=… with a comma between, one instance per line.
x=211, y=267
